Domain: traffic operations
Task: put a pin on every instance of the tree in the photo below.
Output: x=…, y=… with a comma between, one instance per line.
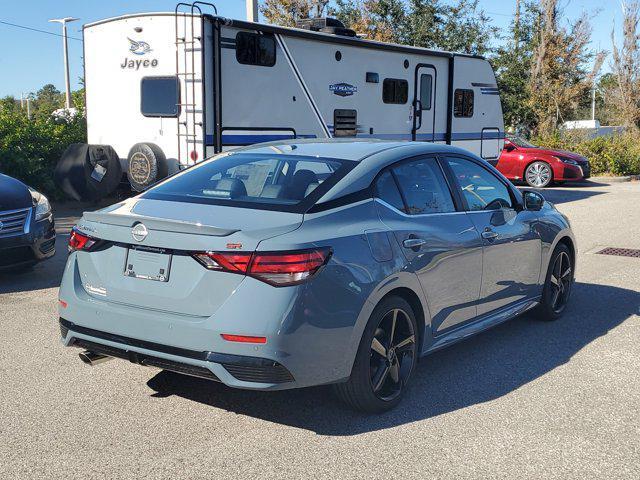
x=286, y=12
x=461, y=27
x=31, y=147
x=47, y=99
x=466, y=29
x=512, y=64
x=381, y=20
x=559, y=76
x=606, y=109
x=626, y=62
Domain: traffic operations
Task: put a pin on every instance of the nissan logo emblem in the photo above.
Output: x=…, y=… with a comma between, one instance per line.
x=139, y=232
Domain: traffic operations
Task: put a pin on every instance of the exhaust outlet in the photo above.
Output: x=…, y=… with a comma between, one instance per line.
x=92, y=358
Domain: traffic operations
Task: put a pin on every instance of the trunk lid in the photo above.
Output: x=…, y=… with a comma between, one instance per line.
x=173, y=231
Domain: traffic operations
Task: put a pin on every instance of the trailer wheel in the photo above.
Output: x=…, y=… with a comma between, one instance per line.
x=147, y=164
x=88, y=172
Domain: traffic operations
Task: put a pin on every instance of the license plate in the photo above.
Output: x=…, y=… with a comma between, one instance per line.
x=148, y=264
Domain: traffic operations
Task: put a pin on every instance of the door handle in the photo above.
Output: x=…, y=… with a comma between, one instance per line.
x=414, y=242
x=417, y=112
x=489, y=234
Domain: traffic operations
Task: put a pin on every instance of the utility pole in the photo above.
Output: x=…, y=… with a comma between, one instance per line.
x=65, y=49
x=593, y=102
x=252, y=10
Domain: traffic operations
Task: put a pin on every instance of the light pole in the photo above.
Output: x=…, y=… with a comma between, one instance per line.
x=64, y=22
x=252, y=10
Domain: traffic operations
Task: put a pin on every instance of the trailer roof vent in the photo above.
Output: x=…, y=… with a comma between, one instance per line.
x=325, y=25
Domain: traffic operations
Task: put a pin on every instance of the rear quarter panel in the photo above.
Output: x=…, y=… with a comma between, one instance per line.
x=332, y=309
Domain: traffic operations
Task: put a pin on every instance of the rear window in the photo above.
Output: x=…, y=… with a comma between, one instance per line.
x=255, y=180
x=255, y=49
x=159, y=97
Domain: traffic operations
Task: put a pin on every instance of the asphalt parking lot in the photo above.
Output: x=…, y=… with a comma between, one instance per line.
x=525, y=400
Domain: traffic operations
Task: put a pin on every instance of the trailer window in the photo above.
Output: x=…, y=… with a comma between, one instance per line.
x=426, y=84
x=395, y=90
x=160, y=96
x=255, y=49
x=463, y=103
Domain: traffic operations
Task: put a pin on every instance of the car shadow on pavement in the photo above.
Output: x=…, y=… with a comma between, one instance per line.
x=566, y=194
x=46, y=274
x=478, y=370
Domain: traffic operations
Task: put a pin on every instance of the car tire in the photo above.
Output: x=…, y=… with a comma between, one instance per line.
x=380, y=376
x=146, y=165
x=538, y=174
x=557, y=285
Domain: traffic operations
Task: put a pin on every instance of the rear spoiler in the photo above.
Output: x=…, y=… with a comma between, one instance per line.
x=157, y=224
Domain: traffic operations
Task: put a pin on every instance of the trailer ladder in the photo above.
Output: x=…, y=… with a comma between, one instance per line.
x=188, y=41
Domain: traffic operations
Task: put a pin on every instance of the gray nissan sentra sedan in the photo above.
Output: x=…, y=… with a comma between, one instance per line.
x=301, y=263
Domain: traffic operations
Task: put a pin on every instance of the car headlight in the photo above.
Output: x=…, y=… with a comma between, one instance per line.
x=43, y=207
x=568, y=160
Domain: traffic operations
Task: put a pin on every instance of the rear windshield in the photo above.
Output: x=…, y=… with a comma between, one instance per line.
x=255, y=180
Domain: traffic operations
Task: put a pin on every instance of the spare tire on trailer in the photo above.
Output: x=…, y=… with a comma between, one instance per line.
x=146, y=165
x=88, y=172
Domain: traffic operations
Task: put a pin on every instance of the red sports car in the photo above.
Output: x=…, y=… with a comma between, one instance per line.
x=540, y=167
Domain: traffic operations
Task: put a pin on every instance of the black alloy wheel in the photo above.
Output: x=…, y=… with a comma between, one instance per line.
x=558, y=284
x=385, y=360
x=392, y=354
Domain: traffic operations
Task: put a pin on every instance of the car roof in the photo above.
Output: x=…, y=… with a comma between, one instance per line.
x=347, y=149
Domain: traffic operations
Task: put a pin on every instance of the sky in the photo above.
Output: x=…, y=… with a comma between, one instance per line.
x=29, y=59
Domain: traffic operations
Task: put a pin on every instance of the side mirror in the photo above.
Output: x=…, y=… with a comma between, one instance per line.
x=533, y=201
x=509, y=147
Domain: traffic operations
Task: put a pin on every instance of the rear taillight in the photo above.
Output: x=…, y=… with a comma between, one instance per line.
x=243, y=338
x=80, y=241
x=276, y=268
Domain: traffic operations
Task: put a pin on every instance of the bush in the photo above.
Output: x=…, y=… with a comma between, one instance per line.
x=617, y=154
x=30, y=149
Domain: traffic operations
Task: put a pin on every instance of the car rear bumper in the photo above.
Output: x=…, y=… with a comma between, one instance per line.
x=235, y=370
x=301, y=349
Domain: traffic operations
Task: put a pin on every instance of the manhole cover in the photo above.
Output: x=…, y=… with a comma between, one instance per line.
x=620, y=252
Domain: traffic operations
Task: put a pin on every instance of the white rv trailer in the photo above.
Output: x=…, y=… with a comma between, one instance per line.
x=166, y=90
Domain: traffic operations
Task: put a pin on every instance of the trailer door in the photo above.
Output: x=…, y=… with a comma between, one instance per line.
x=424, y=105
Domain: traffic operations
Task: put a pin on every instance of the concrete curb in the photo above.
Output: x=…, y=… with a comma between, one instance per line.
x=626, y=178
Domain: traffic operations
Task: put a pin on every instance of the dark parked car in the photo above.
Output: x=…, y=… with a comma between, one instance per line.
x=540, y=167
x=27, y=233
